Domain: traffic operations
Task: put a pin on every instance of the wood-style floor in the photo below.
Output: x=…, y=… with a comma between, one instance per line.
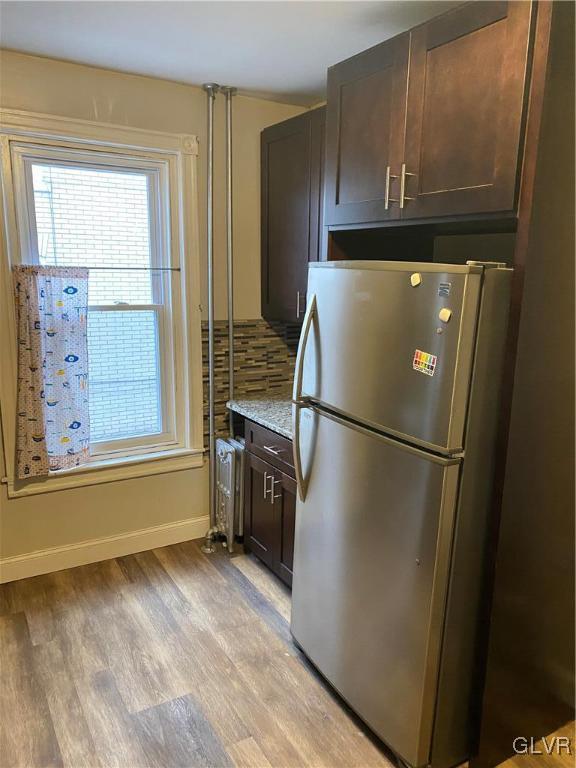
x=165, y=659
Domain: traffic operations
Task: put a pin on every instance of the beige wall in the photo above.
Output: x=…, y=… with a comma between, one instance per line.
x=72, y=90
x=60, y=88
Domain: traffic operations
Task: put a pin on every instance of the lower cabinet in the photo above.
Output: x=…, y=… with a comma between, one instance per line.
x=269, y=515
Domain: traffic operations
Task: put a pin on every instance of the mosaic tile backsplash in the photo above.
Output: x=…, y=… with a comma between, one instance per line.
x=264, y=359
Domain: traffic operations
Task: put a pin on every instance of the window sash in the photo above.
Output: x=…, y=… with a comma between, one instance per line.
x=151, y=441
x=154, y=214
x=26, y=155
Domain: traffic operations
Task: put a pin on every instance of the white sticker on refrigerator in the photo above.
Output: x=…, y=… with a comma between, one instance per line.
x=424, y=362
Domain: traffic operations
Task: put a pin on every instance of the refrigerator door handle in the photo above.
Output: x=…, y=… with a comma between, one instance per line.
x=301, y=482
x=299, y=370
x=297, y=402
x=445, y=461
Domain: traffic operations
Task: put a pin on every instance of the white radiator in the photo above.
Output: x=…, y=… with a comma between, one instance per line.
x=230, y=489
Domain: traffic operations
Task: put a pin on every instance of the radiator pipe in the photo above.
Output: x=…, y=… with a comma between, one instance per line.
x=211, y=91
x=229, y=92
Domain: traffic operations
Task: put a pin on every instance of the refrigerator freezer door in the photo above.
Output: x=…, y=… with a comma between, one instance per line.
x=391, y=345
x=370, y=573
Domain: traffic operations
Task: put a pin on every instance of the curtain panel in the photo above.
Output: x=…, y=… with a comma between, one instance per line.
x=53, y=425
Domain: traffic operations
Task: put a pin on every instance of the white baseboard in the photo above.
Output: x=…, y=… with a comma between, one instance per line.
x=95, y=550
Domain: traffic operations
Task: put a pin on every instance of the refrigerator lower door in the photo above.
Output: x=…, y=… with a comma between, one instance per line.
x=371, y=563
x=391, y=345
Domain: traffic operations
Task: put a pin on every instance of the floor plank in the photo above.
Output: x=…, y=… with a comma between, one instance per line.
x=74, y=737
x=34, y=596
x=276, y=593
x=177, y=734
x=215, y=605
x=27, y=735
x=249, y=593
x=247, y=754
x=137, y=645
x=303, y=708
x=75, y=628
x=113, y=730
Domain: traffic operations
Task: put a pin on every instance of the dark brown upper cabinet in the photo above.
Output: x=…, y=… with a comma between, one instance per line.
x=439, y=136
x=292, y=203
x=365, y=119
x=465, y=106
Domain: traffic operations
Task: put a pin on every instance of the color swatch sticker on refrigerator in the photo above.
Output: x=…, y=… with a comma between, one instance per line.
x=424, y=362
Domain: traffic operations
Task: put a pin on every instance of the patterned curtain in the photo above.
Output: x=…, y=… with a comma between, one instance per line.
x=53, y=428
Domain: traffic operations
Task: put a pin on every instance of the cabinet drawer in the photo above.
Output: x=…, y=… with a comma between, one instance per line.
x=270, y=446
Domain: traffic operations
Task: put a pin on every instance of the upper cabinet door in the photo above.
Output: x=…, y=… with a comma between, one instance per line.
x=285, y=193
x=465, y=104
x=365, y=134
x=291, y=188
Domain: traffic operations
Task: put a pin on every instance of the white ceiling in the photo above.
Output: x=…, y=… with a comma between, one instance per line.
x=278, y=50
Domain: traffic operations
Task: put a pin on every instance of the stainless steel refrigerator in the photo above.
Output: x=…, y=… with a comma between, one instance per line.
x=395, y=411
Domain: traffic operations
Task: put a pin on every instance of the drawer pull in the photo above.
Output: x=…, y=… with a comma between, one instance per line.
x=273, y=449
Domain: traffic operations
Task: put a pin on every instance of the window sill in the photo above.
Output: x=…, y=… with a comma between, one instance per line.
x=109, y=470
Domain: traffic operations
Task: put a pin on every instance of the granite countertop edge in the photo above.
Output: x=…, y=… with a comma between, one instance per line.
x=273, y=411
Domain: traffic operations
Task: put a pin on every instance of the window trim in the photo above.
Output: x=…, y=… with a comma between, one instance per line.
x=24, y=157
x=178, y=153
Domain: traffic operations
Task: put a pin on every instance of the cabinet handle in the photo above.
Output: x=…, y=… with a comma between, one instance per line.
x=297, y=305
x=387, y=198
x=266, y=478
x=403, y=196
x=272, y=494
x=273, y=450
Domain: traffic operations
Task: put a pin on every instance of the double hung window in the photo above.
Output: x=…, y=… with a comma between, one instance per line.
x=110, y=212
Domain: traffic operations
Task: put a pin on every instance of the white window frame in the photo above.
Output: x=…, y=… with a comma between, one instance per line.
x=26, y=155
x=170, y=160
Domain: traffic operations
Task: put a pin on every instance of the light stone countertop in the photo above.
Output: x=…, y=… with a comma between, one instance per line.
x=271, y=409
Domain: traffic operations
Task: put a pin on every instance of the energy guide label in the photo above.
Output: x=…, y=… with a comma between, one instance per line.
x=424, y=362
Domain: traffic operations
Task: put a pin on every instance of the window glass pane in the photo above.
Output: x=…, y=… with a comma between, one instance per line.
x=124, y=374
x=96, y=218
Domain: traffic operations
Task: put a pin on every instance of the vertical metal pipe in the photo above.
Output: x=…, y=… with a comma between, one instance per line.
x=211, y=91
x=229, y=93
